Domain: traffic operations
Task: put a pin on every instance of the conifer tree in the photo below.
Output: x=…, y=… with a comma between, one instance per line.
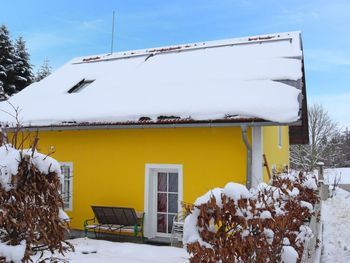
x=7, y=73
x=346, y=148
x=338, y=150
x=2, y=92
x=22, y=66
x=44, y=70
x=334, y=154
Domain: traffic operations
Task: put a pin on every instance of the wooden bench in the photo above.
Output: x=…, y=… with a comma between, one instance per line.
x=115, y=219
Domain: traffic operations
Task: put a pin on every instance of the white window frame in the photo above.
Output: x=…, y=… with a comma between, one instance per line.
x=70, y=178
x=279, y=137
x=150, y=198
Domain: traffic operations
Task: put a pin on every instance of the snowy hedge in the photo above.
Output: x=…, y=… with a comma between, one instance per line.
x=30, y=203
x=266, y=224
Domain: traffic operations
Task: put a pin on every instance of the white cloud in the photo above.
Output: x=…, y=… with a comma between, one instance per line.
x=314, y=11
x=97, y=24
x=39, y=41
x=325, y=59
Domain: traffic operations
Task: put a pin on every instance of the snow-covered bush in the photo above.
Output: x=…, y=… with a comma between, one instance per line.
x=30, y=201
x=265, y=224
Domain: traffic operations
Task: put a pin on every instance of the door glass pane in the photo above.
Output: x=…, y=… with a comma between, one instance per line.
x=162, y=202
x=161, y=223
x=162, y=182
x=170, y=222
x=172, y=203
x=167, y=200
x=173, y=183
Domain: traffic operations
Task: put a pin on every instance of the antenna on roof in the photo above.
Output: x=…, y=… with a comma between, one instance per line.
x=112, y=44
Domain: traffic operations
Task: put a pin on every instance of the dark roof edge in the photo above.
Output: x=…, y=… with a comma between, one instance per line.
x=300, y=134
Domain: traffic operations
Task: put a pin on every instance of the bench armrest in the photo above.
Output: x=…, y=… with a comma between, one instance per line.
x=138, y=228
x=86, y=222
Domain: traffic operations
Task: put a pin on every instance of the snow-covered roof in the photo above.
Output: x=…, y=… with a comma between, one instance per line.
x=251, y=78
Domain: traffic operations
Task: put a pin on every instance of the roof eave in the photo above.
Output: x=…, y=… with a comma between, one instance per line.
x=140, y=125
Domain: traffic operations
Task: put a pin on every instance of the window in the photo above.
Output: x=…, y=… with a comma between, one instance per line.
x=80, y=86
x=279, y=136
x=67, y=185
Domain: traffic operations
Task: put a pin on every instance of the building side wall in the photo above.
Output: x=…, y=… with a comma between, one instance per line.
x=276, y=156
x=109, y=165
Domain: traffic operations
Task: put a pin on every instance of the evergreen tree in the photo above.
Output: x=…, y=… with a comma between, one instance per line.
x=22, y=67
x=334, y=154
x=44, y=70
x=2, y=92
x=346, y=148
x=7, y=73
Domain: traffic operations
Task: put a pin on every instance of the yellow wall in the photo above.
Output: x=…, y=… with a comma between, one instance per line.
x=278, y=156
x=109, y=165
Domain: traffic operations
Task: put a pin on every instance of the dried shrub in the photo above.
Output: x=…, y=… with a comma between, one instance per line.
x=254, y=229
x=30, y=205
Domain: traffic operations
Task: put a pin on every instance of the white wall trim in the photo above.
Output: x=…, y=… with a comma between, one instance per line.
x=257, y=155
x=149, y=194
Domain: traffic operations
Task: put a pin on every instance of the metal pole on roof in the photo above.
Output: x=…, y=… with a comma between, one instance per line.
x=112, y=44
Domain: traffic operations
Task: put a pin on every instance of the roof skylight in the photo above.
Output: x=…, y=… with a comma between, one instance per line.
x=80, y=86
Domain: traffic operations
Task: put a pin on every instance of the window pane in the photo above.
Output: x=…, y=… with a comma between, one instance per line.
x=172, y=203
x=170, y=222
x=66, y=186
x=66, y=189
x=162, y=182
x=64, y=170
x=161, y=223
x=162, y=203
x=173, y=182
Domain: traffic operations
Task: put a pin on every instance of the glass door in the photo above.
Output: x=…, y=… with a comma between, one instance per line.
x=167, y=200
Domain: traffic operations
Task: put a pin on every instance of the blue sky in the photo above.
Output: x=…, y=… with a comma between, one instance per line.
x=61, y=30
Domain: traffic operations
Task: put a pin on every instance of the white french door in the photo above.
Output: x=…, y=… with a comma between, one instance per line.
x=163, y=192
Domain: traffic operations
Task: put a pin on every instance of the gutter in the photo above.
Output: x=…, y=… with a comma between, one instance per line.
x=3, y=136
x=149, y=126
x=249, y=157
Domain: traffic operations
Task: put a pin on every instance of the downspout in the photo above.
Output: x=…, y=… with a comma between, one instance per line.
x=249, y=156
x=3, y=135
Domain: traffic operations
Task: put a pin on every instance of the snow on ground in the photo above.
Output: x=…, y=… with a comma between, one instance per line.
x=93, y=251
x=342, y=173
x=336, y=228
x=13, y=253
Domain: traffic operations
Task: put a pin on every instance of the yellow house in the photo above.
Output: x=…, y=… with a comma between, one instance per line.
x=150, y=128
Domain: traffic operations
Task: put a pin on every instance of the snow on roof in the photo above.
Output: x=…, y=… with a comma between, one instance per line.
x=248, y=77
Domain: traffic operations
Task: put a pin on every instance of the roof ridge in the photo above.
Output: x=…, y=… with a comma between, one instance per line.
x=187, y=47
